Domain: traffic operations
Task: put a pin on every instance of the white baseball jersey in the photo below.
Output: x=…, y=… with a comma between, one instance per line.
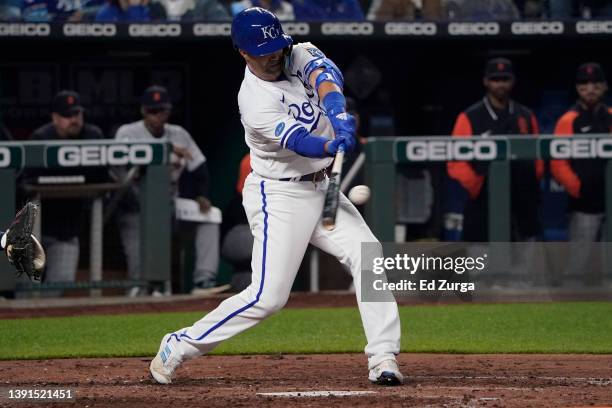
x=285, y=216
x=272, y=111
x=175, y=134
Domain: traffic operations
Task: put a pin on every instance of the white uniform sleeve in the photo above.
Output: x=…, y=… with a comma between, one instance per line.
x=185, y=140
x=302, y=55
x=122, y=133
x=133, y=132
x=274, y=122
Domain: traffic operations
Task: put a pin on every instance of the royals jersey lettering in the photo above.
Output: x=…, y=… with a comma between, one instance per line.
x=271, y=111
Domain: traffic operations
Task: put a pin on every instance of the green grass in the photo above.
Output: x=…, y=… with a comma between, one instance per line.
x=503, y=328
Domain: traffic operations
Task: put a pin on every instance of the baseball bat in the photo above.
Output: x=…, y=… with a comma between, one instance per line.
x=332, y=196
x=350, y=175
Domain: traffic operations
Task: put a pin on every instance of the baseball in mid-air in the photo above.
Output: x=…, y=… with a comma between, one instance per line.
x=359, y=194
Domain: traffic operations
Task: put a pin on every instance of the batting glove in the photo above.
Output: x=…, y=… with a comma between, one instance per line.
x=343, y=123
x=347, y=140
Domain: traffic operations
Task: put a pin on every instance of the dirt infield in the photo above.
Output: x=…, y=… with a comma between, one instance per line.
x=240, y=381
x=432, y=380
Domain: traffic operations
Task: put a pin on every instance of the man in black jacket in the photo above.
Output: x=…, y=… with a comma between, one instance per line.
x=584, y=180
x=62, y=219
x=498, y=114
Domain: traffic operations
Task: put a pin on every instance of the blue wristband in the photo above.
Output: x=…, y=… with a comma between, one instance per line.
x=334, y=103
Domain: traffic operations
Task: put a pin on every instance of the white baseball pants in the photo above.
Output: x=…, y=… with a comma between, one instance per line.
x=284, y=217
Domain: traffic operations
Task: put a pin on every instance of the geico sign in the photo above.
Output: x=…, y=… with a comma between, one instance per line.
x=473, y=28
x=5, y=157
x=581, y=149
x=543, y=27
x=296, y=28
x=451, y=150
x=155, y=30
x=25, y=30
x=90, y=30
x=411, y=29
x=347, y=28
x=114, y=155
x=594, y=27
x=204, y=30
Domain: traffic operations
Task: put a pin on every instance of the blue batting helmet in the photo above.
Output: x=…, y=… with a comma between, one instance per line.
x=258, y=32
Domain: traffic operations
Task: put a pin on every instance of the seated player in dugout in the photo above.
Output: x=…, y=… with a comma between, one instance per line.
x=584, y=180
x=498, y=114
x=190, y=179
x=62, y=218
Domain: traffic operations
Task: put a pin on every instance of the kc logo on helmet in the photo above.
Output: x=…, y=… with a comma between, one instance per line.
x=270, y=32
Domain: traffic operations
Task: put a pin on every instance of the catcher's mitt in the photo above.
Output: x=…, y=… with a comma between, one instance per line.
x=23, y=250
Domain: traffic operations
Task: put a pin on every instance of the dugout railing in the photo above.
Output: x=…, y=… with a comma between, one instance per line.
x=384, y=154
x=155, y=208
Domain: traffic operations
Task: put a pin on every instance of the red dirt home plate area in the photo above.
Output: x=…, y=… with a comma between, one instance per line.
x=245, y=381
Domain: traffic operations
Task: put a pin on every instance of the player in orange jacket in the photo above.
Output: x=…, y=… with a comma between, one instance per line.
x=498, y=114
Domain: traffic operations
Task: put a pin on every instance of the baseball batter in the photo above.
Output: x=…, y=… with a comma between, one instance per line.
x=294, y=116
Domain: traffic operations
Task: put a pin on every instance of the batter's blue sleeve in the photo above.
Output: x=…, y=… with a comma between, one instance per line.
x=334, y=104
x=306, y=144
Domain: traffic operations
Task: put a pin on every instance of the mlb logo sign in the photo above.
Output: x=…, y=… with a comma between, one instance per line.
x=270, y=32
